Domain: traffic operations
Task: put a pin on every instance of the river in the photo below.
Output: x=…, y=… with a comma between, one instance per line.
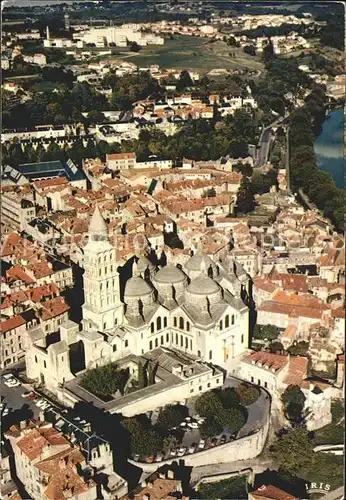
x=329, y=147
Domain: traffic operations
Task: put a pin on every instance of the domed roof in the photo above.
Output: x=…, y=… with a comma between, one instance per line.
x=203, y=285
x=137, y=287
x=143, y=263
x=199, y=261
x=97, y=223
x=170, y=274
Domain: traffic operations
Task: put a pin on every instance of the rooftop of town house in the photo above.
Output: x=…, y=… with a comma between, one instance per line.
x=297, y=370
x=291, y=310
x=53, y=307
x=121, y=156
x=274, y=362
x=47, y=183
x=271, y=492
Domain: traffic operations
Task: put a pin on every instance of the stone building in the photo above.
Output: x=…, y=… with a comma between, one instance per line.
x=199, y=309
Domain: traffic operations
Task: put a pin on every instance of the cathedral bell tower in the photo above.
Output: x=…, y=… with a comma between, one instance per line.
x=102, y=308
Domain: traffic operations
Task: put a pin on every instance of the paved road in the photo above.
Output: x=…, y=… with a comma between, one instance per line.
x=20, y=408
x=257, y=464
x=263, y=151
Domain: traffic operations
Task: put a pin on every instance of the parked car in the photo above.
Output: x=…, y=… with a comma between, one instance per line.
x=181, y=452
x=12, y=382
x=200, y=420
x=193, y=425
x=192, y=448
x=183, y=424
x=188, y=419
x=26, y=394
x=201, y=443
x=150, y=460
x=40, y=402
x=8, y=376
x=173, y=453
x=5, y=412
x=136, y=457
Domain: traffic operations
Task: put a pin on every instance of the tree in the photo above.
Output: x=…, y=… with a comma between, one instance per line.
x=104, y=381
x=96, y=116
x=293, y=451
x=234, y=418
x=134, y=47
x=211, y=427
x=268, y=51
x=294, y=401
x=266, y=332
x=141, y=376
x=245, y=198
x=247, y=393
x=299, y=348
x=146, y=443
x=185, y=80
x=229, y=397
x=276, y=347
x=208, y=404
x=250, y=49
x=171, y=416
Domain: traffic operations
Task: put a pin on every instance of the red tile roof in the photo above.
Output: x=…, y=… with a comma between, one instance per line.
x=38, y=438
x=54, y=307
x=12, y=323
x=297, y=370
x=272, y=361
x=271, y=492
x=121, y=156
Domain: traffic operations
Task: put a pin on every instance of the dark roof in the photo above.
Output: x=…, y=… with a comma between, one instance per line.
x=50, y=169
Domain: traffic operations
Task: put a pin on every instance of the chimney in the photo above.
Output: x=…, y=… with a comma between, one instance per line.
x=23, y=425
x=144, y=484
x=146, y=496
x=41, y=416
x=162, y=476
x=150, y=484
x=170, y=474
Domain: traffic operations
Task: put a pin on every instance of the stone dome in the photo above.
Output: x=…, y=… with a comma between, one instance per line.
x=170, y=275
x=143, y=263
x=137, y=287
x=199, y=262
x=203, y=285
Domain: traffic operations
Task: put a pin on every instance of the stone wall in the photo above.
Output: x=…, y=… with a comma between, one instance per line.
x=241, y=449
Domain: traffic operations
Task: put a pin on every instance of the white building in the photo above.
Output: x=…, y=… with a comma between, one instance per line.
x=197, y=310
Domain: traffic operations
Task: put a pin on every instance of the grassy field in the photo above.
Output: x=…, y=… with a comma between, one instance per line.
x=187, y=52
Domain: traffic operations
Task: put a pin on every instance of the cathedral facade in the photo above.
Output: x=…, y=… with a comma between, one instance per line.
x=199, y=309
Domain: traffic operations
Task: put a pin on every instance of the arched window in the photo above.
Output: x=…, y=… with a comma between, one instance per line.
x=181, y=323
x=162, y=339
x=126, y=343
x=152, y=327
x=156, y=342
x=164, y=322
x=167, y=337
x=150, y=344
x=186, y=343
x=227, y=321
x=210, y=354
x=232, y=319
x=158, y=323
x=181, y=340
x=242, y=339
x=220, y=324
x=199, y=354
x=188, y=326
x=175, y=321
x=176, y=339
x=190, y=345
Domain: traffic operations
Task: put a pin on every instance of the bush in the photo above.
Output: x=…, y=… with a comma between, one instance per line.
x=247, y=393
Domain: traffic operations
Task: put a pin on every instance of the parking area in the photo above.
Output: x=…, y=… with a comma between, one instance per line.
x=191, y=440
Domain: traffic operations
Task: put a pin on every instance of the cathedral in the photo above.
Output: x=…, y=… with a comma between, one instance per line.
x=199, y=309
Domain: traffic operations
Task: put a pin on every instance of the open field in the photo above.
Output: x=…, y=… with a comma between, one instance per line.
x=187, y=52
